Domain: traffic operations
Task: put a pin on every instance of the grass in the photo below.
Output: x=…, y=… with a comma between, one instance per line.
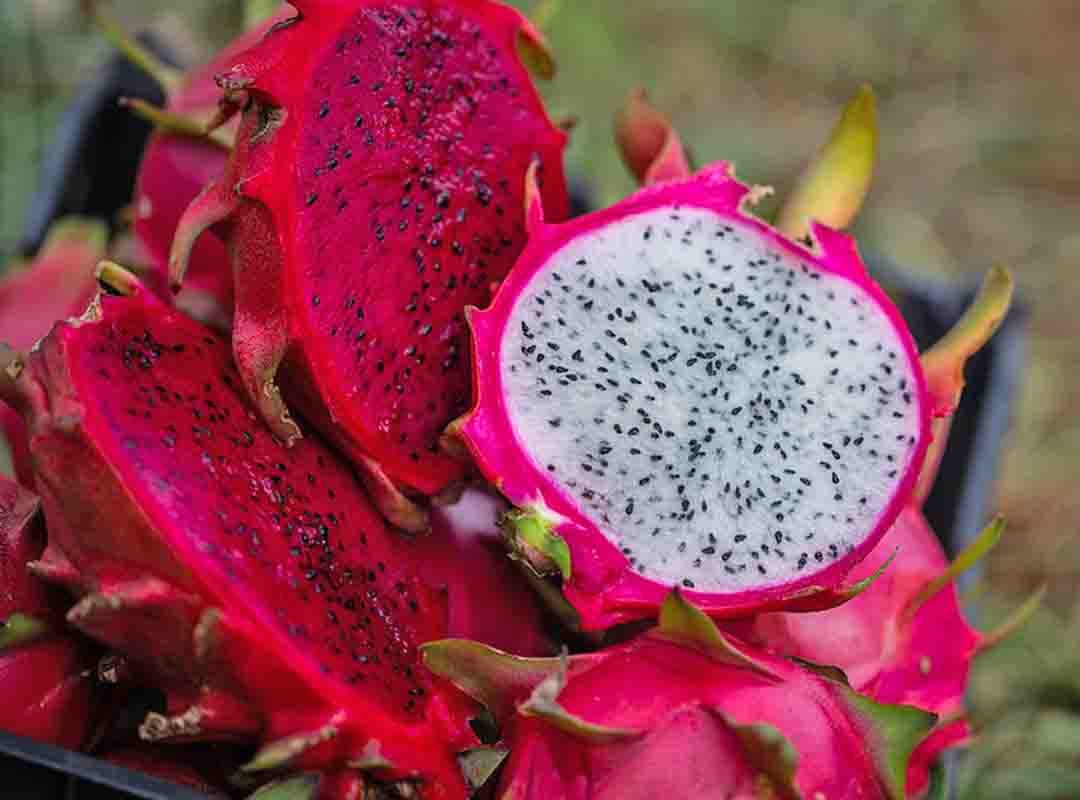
x=980, y=130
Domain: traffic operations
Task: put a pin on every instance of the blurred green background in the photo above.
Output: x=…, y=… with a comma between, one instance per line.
x=980, y=164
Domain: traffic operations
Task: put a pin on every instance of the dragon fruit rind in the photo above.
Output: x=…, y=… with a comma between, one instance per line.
x=253, y=583
x=683, y=711
x=376, y=190
x=674, y=394
x=46, y=677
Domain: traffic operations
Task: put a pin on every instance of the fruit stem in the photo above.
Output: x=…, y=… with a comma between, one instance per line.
x=168, y=76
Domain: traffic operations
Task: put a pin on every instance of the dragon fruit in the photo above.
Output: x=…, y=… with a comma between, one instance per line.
x=375, y=191
x=253, y=583
x=674, y=394
x=58, y=283
x=904, y=639
x=180, y=160
x=46, y=676
x=684, y=711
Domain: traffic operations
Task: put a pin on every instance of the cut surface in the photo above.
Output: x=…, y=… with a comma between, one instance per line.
x=424, y=147
x=398, y=195
x=730, y=416
x=284, y=534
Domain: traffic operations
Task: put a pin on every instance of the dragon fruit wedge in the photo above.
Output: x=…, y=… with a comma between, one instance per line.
x=672, y=393
x=180, y=160
x=376, y=189
x=253, y=583
x=59, y=282
x=45, y=676
x=683, y=711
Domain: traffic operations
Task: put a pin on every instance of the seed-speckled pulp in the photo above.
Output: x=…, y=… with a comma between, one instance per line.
x=728, y=414
x=415, y=139
x=285, y=533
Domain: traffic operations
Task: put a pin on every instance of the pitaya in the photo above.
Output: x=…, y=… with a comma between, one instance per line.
x=180, y=160
x=253, y=583
x=904, y=639
x=375, y=191
x=684, y=711
x=46, y=677
x=59, y=282
x=673, y=393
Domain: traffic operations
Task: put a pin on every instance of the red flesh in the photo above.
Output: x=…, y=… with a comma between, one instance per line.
x=390, y=197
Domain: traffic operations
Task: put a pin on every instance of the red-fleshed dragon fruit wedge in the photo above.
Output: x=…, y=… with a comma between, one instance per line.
x=673, y=393
x=58, y=283
x=181, y=159
x=684, y=711
x=46, y=677
x=376, y=189
x=252, y=582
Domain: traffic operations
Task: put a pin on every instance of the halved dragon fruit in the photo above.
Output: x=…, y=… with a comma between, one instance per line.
x=254, y=583
x=684, y=711
x=46, y=677
x=375, y=191
x=58, y=283
x=904, y=639
x=675, y=394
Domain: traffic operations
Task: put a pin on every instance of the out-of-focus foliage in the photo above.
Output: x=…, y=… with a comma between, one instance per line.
x=979, y=163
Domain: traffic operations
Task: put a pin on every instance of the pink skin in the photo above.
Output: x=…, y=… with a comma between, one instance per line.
x=924, y=661
x=57, y=284
x=693, y=753
x=46, y=680
x=603, y=588
x=374, y=352
x=666, y=691
x=240, y=616
x=490, y=601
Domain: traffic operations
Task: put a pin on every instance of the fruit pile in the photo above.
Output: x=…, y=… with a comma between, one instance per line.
x=391, y=481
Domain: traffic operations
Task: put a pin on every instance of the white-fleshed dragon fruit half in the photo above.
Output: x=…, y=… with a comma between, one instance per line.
x=675, y=394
